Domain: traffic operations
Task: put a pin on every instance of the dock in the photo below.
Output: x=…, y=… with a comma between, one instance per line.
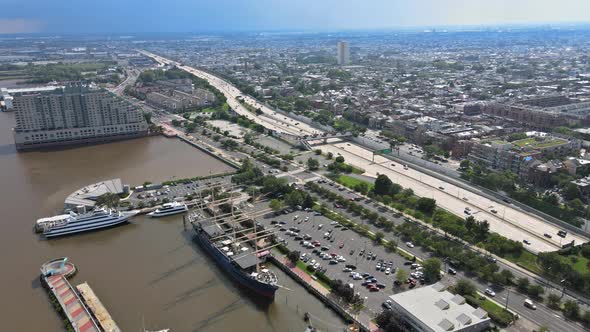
x=54, y=274
x=79, y=306
x=100, y=312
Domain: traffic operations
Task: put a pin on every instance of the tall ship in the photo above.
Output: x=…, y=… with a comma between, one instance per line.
x=72, y=223
x=169, y=209
x=236, y=256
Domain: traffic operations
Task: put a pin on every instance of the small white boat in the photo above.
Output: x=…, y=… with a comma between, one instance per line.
x=169, y=209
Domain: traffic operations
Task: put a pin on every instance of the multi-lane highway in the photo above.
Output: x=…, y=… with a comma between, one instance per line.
x=504, y=219
x=269, y=118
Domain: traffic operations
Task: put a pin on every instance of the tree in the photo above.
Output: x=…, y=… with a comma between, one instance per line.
x=465, y=287
x=523, y=284
x=109, y=200
x=571, y=191
x=553, y=301
x=391, y=245
x=362, y=188
x=431, y=269
x=535, y=290
x=571, y=309
x=383, y=185
x=339, y=159
x=276, y=205
x=464, y=165
x=294, y=198
x=401, y=275
x=148, y=117
x=318, y=151
x=330, y=155
x=293, y=256
x=379, y=237
x=507, y=276
x=426, y=205
x=313, y=164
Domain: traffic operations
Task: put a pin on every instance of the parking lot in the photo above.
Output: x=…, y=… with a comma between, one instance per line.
x=171, y=192
x=342, y=242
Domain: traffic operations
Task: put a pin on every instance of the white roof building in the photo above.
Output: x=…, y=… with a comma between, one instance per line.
x=434, y=309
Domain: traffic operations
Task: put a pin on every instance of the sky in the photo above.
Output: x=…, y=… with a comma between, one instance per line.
x=135, y=16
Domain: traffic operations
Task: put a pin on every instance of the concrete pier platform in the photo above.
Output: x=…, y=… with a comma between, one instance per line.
x=100, y=312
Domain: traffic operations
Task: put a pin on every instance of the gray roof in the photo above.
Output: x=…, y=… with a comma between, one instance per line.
x=438, y=309
x=246, y=261
x=87, y=195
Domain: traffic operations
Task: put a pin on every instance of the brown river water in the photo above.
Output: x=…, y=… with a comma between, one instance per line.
x=148, y=272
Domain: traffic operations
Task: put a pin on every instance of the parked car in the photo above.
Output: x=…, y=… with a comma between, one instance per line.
x=410, y=244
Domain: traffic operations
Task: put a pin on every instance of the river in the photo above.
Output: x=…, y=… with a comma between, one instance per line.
x=146, y=273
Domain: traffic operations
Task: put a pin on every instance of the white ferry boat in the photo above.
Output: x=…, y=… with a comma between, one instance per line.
x=77, y=223
x=169, y=209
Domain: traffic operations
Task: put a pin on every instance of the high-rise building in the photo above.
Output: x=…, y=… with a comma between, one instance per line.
x=343, y=53
x=74, y=115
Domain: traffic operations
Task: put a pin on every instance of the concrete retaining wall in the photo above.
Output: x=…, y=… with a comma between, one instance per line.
x=213, y=154
x=335, y=306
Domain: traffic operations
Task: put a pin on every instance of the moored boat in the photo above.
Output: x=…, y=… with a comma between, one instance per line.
x=169, y=209
x=77, y=223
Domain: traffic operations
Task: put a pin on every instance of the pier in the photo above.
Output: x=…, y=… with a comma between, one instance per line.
x=80, y=306
x=100, y=312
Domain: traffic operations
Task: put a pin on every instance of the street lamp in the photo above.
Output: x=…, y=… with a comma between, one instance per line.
x=507, y=297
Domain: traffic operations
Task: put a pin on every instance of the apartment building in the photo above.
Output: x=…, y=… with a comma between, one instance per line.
x=74, y=115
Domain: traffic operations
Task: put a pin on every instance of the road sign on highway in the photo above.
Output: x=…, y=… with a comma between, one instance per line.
x=384, y=151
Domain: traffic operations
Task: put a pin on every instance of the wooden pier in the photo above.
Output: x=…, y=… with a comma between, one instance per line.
x=100, y=312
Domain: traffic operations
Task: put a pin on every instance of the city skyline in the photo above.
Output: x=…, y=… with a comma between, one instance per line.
x=33, y=16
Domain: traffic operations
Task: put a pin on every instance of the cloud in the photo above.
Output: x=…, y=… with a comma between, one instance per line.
x=19, y=25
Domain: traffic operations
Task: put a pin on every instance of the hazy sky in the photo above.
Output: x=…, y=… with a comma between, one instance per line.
x=236, y=15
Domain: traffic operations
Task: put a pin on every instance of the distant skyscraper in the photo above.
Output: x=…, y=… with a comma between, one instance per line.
x=74, y=115
x=343, y=53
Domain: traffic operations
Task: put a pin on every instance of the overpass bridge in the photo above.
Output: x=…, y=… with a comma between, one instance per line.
x=311, y=141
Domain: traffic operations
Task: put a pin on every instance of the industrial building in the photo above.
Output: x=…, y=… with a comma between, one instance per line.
x=434, y=309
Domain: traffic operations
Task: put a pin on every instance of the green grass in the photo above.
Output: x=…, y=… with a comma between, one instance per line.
x=357, y=170
x=351, y=182
x=496, y=311
x=532, y=142
x=582, y=264
x=303, y=266
x=523, y=142
x=527, y=260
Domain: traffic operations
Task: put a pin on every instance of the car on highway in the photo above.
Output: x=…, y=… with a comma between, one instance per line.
x=490, y=292
x=410, y=245
x=527, y=242
x=530, y=304
x=547, y=235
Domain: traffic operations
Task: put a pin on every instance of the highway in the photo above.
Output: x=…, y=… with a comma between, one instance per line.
x=269, y=118
x=132, y=75
x=507, y=220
